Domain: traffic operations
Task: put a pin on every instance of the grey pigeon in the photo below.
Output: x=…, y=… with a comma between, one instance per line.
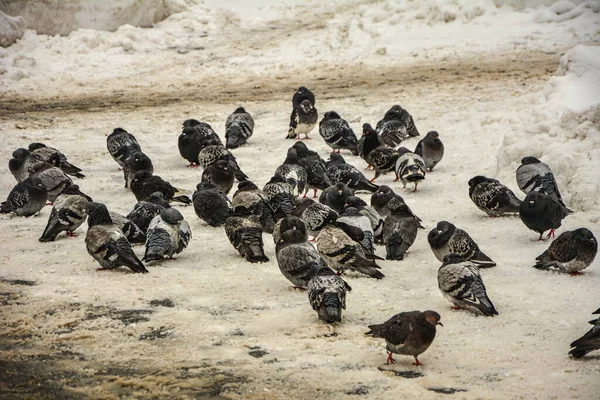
x=239, y=126
x=446, y=238
x=281, y=195
x=68, y=213
x=303, y=119
x=194, y=137
x=335, y=196
x=54, y=179
x=22, y=162
x=256, y=202
x=219, y=174
x=541, y=212
x=399, y=231
x=534, y=175
x=492, y=197
x=337, y=133
x=106, y=243
x=292, y=169
x=168, y=234
x=407, y=333
x=132, y=232
x=339, y=171
x=144, y=211
x=410, y=167
x=317, y=215
x=571, y=252
x=400, y=114
x=135, y=163
x=351, y=217
x=431, y=149
x=244, y=232
x=300, y=205
x=27, y=198
x=314, y=165
x=381, y=157
x=56, y=158
x=327, y=295
x=144, y=184
x=211, y=204
x=369, y=212
x=391, y=129
x=302, y=94
x=461, y=284
x=588, y=342
x=215, y=151
x=298, y=260
x=121, y=144
x=380, y=200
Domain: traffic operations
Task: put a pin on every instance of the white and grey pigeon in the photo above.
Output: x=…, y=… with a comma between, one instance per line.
x=337, y=133
x=410, y=167
x=239, y=126
x=492, y=197
x=460, y=283
x=27, y=198
x=135, y=163
x=317, y=215
x=327, y=295
x=215, y=151
x=144, y=211
x=303, y=119
x=121, y=144
x=391, y=129
x=431, y=149
x=281, y=193
x=400, y=114
x=68, y=213
x=399, y=231
x=340, y=171
x=381, y=198
x=54, y=179
x=536, y=176
x=22, y=162
x=446, y=238
x=244, y=232
x=168, y=234
x=369, y=212
x=55, y=157
x=571, y=252
x=351, y=217
x=291, y=168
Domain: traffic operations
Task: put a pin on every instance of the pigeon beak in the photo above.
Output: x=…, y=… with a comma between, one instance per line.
x=531, y=201
x=440, y=324
x=339, y=191
x=439, y=231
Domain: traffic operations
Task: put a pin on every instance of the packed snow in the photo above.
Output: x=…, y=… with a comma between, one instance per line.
x=499, y=80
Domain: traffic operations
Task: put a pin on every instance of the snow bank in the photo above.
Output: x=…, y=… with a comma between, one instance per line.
x=11, y=29
x=564, y=132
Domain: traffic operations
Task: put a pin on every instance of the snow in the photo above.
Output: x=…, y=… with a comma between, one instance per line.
x=11, y=29
x=481, y=73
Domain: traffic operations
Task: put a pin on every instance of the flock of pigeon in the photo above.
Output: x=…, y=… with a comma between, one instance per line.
x=346, y=229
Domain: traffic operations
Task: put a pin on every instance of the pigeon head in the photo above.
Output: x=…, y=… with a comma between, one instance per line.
x=157, y=198
x=331, y=115
x=292, y=222
x=188, y=132
x=301, y=149
x=432, y=317
x=585, y=235
x=292, y=236
x=399, y=208
x=306, y=106
x=476, y=180
x=239, y=110
x=354, y=201
x=382, y=195
x=222, y=165
x=97, y=214
x=432, y=135
x=36, y=145
x=453, y=258
x=292, y=156
x=138, y=158
x=368, y=130
x=340, y=187
x=529, y=160
x=350, y=212
x=20, y=154
x=535, y=199
x=247, y=185
x=141, y=176
x=36, y=182
x=336, y=158
x=171, y=216
x=325, y=271
x=75, y=190
x=190, y=123
x=117, y=131
x=439, y=236
x=393, y=113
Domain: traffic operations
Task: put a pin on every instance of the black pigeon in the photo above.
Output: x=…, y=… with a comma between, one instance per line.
x=22, y=162
x=136, y=162
x=298, y=260
x=302, y=94
x=534, y=175
x=211, y=204
x=244, y=232
x=461, y=284
x=339, y=171
x=571, y=252
x=327, y=295
x=410, y=167
x=335, y=196
x=68, y=213
x=121, y=144
x=303, y=119
x=408, y=333
x=219, y=174
x=588, y=342
x=399, y=231
x=56, y=158
x=256, y=202
x=400, y=114
x=238, y=128
x=337, y=133
x=168, y=234
x=381, y=157
x=351, y=217
x=300, y=205
x=391, y=130
x=314, y=165
x=492, y=197
x=132, y=232
x=27, y=198
x=369, y=212
x=431, y=149
x=380, y=200
x=195, y=135
x=541, y=212
x=144, y=184
x=215, y=151
x=281, y=195
x=106, y=243
x=292, y=169
x=54, y=179
x=144, y=211
x=446, y=238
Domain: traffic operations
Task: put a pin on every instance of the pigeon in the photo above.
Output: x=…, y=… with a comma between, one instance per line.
x=56, y=158
x=391, y=130
x=281, y=195
x=446, y=238
x=106, y=243
x=381, y=157
x=541, y=212
x=27, y=198
x=335, y=196
x=588, y=342
x=211, y=204
x=205, y=130
x=238, y=128
x=136, y=162
x=302, y=94
x=22, y=163
x=68, y=213
x=369, y=212
x=534, y=175
x=303, y=119
x=121, y=144
x=255, y=200
x=144, y=184
x=351, y=217
x=492, y=197
x=219, y=174
x=54, y=179
x=380, y=200
x=194, y=137
x=245, y=234
x=327, y=295
x=399, y=231
x=292, y=169
x=215, y=151
x=337, y=133
x=461, y=284
x=167, y=234
x=571, y=252
x=300, y=205
x=144, y=211
x=410, y=167
x=298, y=260
x=400, y=114
x=407, y=333
x=314, y=165
x=339, y=171
x=317, y=215
x=431, y=149
x=132, y=232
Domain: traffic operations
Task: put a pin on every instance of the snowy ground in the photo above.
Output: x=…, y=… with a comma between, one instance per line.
x=209, y=325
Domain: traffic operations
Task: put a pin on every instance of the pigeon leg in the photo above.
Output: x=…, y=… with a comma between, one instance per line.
x=304, y=196
x=390, y=359
x=192, y=165
x=576, y=273
x=417, y=362
x=298, y=288
x=306, y=136
x=102, y=269
x=315, y=194
x=338, y=151
x=456, y=308
x=540, y=238
x=71, y=234
x=397, y=178
x=416, y=184
x=551, y=234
